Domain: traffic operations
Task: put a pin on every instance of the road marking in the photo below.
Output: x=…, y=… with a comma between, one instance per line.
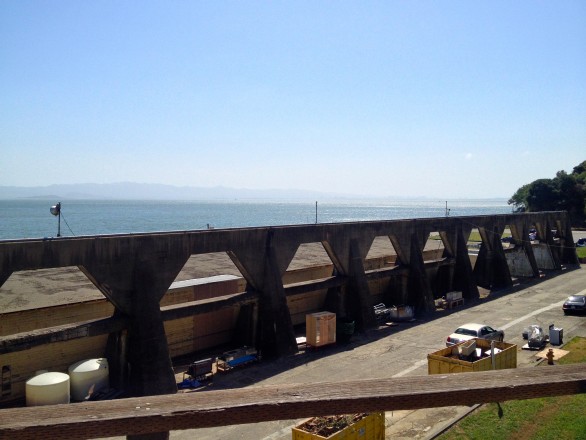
x=415, y=366
x=543, y=309
x=532, y=314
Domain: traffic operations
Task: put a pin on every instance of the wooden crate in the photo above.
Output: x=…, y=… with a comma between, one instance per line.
x=320, y=328
x=445, y=361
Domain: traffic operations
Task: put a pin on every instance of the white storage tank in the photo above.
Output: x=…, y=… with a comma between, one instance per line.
x=87, y=377
x=47, y=389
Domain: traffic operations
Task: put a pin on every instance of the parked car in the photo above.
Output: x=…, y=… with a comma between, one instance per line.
x=581, y=242
x=575, y=304
x=473, y=330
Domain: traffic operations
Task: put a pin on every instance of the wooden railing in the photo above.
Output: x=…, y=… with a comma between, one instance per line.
x=144, y=415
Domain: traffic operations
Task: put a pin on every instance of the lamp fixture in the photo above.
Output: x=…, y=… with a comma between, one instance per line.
x=56, y=211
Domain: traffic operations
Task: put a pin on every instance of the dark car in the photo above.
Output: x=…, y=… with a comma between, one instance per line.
x=575, y=304
x=581, y=242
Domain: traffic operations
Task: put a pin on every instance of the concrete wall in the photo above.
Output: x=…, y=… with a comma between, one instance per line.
x=543, y=256
x=518, y=264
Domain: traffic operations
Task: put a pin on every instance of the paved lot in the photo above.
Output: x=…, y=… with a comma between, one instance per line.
x=401, y=351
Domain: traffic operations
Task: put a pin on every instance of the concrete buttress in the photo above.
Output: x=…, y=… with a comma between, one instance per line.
x=463, y=273
x=264, y=271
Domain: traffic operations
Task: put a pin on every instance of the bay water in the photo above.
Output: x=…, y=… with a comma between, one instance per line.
x=31, y=218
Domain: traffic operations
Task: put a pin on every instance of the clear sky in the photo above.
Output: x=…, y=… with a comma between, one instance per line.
x=393, y=98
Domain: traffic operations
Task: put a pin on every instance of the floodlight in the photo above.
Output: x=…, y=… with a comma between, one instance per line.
x=56, y=211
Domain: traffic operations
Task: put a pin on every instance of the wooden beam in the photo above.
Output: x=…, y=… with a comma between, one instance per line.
x=143, y=415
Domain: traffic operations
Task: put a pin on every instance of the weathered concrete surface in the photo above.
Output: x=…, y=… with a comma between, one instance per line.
x=134, y=272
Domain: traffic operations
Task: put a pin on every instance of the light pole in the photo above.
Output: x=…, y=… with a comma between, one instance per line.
x=56, y=210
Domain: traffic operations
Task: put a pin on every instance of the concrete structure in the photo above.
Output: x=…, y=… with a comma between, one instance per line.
x=135, y=271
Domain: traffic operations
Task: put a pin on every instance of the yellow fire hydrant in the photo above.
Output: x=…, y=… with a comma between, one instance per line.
x=549, y=356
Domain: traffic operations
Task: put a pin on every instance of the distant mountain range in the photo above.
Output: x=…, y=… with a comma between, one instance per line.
x=148, y=191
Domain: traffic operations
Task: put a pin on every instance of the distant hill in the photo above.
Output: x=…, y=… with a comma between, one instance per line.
x=148, y=191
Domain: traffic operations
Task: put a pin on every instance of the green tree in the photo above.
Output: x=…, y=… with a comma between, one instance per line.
x=579, y=173
x=519, y=199
x=542, y=196
x=571, y=196
x=565, y=192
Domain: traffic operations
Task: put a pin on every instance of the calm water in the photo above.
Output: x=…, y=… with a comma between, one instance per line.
x=32, y=219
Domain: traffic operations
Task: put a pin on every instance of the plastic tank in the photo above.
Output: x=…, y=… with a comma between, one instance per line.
x=87, y=377
x=47, y=389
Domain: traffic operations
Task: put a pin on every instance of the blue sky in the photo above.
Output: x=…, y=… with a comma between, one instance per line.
x=443, y=99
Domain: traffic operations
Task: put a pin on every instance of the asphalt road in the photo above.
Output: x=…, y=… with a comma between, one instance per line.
x=401, y=350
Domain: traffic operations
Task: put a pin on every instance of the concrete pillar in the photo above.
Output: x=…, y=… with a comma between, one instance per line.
x=135, y=277
x=348, y=254
x=263, y=261
x=419, y=290
x=335, y=299
x=360, y=300
x=568, y=248
x=464, y=279
x=443, y=280
x=491, y=267
x=136, y=288
x=276, y=328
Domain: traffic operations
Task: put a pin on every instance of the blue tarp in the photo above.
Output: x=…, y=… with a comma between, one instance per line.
x=189, y=383
x=242, y=360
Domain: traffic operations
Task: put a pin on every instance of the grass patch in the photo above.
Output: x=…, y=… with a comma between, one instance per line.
x=474, y=236
x=581, y=251
x=548, y=418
